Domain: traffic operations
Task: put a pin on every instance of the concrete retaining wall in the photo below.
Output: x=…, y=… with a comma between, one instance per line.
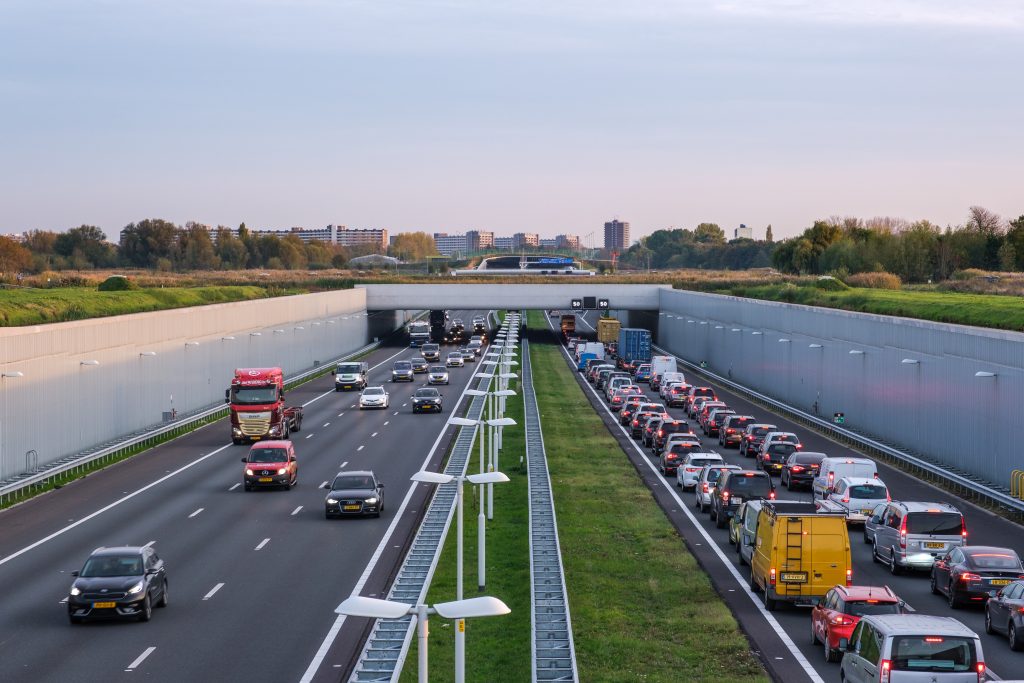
x=89, y=381
x=801, y=355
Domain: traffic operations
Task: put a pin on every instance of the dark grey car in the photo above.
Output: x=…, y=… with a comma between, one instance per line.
x=355, y=493
x=123, y=582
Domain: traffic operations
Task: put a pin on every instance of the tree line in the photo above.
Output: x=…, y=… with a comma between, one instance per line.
x=161, y=245
x=917, y=251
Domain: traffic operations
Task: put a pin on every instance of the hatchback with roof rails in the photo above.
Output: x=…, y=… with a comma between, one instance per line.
x=697, y=392
x=650, y=428
x=666, y=429
x=124, y=582
x=737, y=486
x=643, y=413
x=753, y=436
x=836, y=615
x=772, y=457
x=911, y=535
x=675, y=453
x=731, y=431
x=713, y=423
x=706, y=408
x=689, y=468
x=706, y=483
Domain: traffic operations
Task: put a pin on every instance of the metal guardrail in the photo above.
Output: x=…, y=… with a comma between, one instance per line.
x=553, y=653
x=964, y=484
x=40, y=476
x=385, y=649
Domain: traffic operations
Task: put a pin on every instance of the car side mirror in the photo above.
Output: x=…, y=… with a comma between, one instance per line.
x=380, y=484
x=333, y=373
x=244, y=459
x=844, y=644
x=74, y=573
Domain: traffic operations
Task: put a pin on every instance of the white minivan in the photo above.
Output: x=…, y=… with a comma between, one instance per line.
x=912, y=648
x=833, y=469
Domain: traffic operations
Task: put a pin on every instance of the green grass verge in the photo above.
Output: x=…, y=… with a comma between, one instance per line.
x=982, y=310
x=39, y=306
x=642, y=608
x=497, y=648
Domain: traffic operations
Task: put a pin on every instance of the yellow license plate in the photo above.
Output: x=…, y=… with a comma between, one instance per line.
x=104, y=605
x=793, y=577
x=1000, y=582
x=940, y=546
x=351, y=507
x=266, y=479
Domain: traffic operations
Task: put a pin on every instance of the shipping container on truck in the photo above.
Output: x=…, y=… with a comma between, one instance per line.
x=608, y=330
x=634, y=344
x=256, y=402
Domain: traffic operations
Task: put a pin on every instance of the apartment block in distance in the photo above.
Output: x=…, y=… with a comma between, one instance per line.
x=479, y=239
x=448, y=245
x=616, y=236
x=348, y=237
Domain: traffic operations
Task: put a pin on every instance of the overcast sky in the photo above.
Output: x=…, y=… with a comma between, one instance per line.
x=537, y=115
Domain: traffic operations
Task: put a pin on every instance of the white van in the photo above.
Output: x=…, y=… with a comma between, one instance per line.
x=350, y=375
x=833, y=469
x=662, y=364
x=596, y=348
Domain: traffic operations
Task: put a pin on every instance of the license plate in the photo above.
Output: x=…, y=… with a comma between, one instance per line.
x=868, y=512
x=266, y=479
x=104, y=605
x=938, y=546
x=999, y=582
x=351, y=507
x=793, y=577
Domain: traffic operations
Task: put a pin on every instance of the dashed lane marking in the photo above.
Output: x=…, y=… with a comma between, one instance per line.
x=296, y=511
x=195, y=513
x=263, y=543
x=141, y=658
x=213, y=591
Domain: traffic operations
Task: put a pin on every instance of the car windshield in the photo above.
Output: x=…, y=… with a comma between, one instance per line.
x=700, y=462
x=268, y=455
x=679, y=448
x=455, y=354
x=871, y=491
x=744, y=486
x=403, y=365
x=349, y=368
x=112, y=565
x=936, y=523
x=715, y=474
x=438, y=369
x=761, y=431
x=426, y=393
x=352, y=481
x=994, y=560
x=933, y=653
x=373, y=391
x=253, y=395
x=673, y=427
x=870, y=608
x=740, y=422
x=809, y=459
x=780, y=451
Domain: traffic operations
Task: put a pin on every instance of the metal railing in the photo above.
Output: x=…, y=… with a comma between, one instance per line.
x=552, y=651
x=1017, y=484
x=963, y=484
x=385, y=649
x=143, y=439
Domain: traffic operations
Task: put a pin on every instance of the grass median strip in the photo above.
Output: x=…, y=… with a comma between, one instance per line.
x=642, y=608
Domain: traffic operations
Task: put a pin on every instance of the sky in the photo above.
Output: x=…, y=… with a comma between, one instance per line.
x=527, y=115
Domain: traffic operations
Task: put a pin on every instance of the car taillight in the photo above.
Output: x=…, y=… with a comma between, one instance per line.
x=796, y=468
x=799, y=446
x=840, y=620
x=771, y=495
x=730, y=431
x=705, y=488
x=903, y=533
x=695, y=469
x=771, y=577
x=661, y=432
x=968, y=576
x=849, y=577
x=980, y=669
x=831, y=477
x=846, y=499
x=673, y=456
x=963, y=529
x=884, y=669
x=725, y=496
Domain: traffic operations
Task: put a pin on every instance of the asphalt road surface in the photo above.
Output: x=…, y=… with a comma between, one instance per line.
x=254, y=577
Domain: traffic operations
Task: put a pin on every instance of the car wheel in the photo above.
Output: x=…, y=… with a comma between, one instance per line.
x=988, y=622
x=769, y=603
x=954, y=602
x=697, y=504
x=163, y=596
x=814, y=634
x=720, y=520
x=147, y=610
x=73, y=619
x=830, y=654
x=1015, y=636
x=247, y=487
x=874, y=552
x=894, y=568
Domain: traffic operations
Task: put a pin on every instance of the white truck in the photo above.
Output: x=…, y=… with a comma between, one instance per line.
x=662, y=364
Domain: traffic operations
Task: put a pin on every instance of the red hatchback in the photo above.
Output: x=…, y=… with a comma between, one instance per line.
x=270, y=464
x=836, y=615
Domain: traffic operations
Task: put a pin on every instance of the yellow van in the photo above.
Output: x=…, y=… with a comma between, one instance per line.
x=799, y=553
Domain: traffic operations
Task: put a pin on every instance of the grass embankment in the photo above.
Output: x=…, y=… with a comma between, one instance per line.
x=39, y=306
x=497, y=648
x=982, y=310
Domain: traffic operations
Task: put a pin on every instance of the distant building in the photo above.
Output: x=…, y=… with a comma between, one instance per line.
x=567, y=242
x=616, y=236
x=743, y=232
x=448, y=245
x=551, y=243
x=503, y=242
x=348, y=237
x=525, y=240
x=477, y=240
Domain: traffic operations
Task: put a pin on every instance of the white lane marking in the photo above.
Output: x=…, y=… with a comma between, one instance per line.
x=387, y=422
x=327, y=424
x=373, y=435
x=262, y=543
x=361, y=448
x=111, y=506
x=149, y=545
x=233, y=487
x=296, y=511
x=342, y=466
x=195, y=513
x=141, y=658
x=63, y=602
x=309, y=436
x=396, y=412
x=213, y=591
x=332, y=391
x=352, y=406
x=403, y=405
x=323, y=484
x=783, y=636
x=339, y=621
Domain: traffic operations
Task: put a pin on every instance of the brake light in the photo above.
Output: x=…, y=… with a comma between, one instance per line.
x=933, y=639
x=884, y=669
x=725, y=496
x=771, y=577
x=968, y=576
x=771, y=495
x=796, y=468
x=903, y=533
x=840, y=620
x=799, y=446
x=693, y=469
x=705, y=487
x=980, y=668
x=831, y=477
x=849, y=577
x=661, y=432
x=673, y=456
x=963, y=529
x=846, y=498
x=730, y=431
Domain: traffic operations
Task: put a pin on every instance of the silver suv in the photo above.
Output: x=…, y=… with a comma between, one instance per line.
x=910, y=535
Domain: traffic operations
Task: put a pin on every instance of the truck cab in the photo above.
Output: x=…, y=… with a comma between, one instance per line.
x=256, y=403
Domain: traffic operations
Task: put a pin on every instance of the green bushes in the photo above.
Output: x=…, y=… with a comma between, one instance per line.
x=117, y=283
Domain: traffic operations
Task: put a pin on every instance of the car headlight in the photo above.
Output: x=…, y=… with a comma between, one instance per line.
x=249, y=472
x=282, y=470
x=236, y=431
x=332, y=501
x=372, y=500
x=137, y=588
x=75, y=590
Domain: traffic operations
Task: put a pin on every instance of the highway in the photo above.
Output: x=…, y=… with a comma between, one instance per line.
x=984, y=528
x=254, y=577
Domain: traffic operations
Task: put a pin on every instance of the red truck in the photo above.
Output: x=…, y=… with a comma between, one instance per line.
x=256, y=401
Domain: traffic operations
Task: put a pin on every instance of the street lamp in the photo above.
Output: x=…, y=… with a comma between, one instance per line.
x=358, y=606
x=486, y=478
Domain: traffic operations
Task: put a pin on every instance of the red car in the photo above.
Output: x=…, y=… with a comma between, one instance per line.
x=836, y=614
x=270, y=464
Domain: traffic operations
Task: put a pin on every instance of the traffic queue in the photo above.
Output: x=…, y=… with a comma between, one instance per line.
x=798, y=551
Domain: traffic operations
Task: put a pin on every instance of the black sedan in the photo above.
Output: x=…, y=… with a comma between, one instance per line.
x=1004, y=613
x=426, y=400
x=419, y=364
x=974, y=573
x=355, y=493
x=123, y=582
x=800, y=469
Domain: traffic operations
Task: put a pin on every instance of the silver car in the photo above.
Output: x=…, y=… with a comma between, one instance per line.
x=706, y=483
x=455, y=359
x=438, y=374
x=373, y=397
x=911, y=535
x=688, y=471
